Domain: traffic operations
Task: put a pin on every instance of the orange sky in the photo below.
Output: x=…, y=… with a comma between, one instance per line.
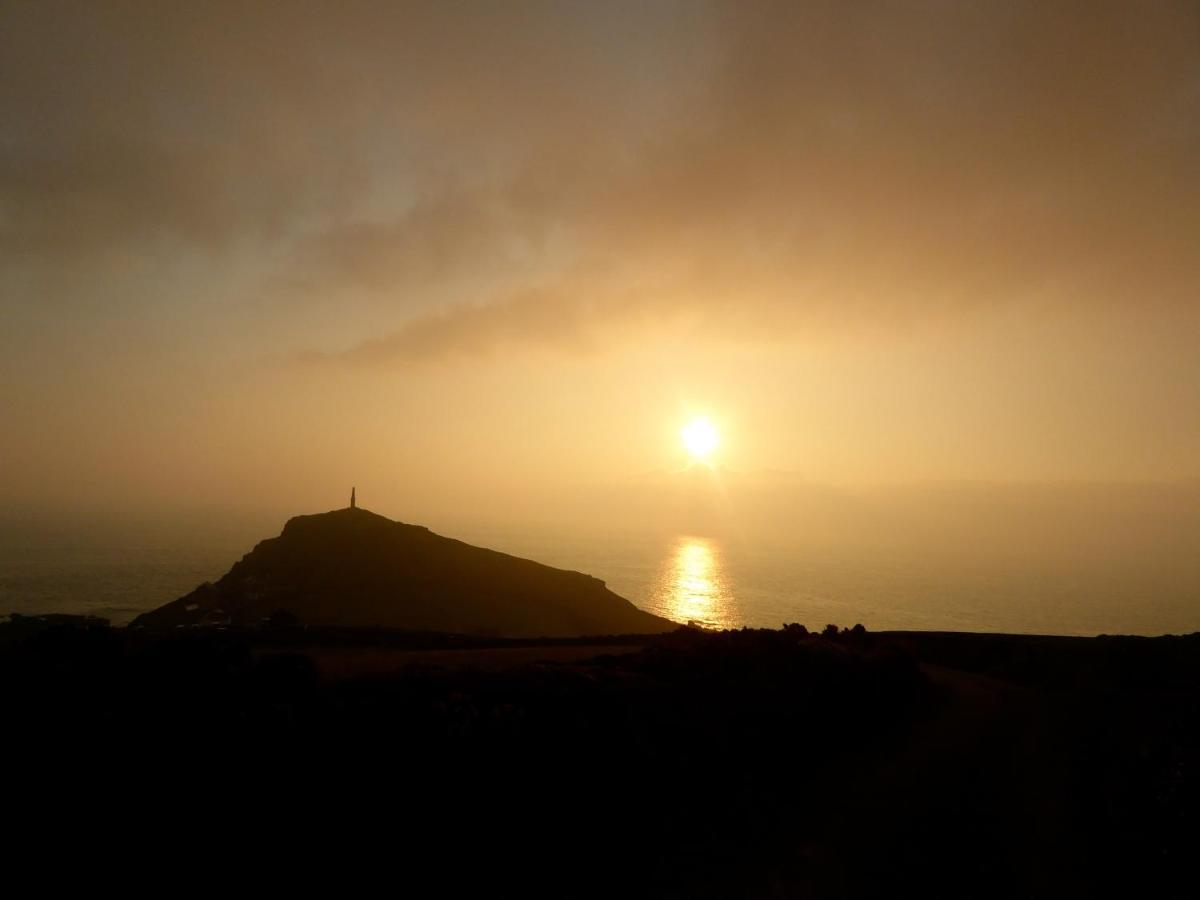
x=456, y=253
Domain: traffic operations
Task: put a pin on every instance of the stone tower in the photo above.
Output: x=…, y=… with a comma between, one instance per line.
x=352, y=506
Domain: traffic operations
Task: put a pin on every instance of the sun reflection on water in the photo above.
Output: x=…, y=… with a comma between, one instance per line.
x=694, y=586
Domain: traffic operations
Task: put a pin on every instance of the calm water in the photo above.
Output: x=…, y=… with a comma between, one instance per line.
x=684, y=577
x=729, y=584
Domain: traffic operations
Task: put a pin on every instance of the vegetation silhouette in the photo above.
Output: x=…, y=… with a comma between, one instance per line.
x=692, y=763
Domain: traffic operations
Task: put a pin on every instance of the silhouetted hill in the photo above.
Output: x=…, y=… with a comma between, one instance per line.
x=351, y=567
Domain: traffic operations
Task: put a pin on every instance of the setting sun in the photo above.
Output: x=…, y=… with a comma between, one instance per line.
x=700, y=438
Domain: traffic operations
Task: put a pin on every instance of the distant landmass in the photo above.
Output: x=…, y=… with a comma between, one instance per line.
x=354, y=568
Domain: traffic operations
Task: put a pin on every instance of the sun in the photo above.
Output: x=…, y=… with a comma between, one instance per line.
x=700, y=438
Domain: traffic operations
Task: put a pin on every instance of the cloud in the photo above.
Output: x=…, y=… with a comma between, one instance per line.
x=531, y=317
x=565, y=176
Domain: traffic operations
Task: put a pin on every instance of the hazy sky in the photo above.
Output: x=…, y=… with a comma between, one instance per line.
x=253, y=253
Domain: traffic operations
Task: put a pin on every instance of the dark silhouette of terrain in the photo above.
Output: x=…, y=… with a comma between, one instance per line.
x=351, y=567
x=748, y=763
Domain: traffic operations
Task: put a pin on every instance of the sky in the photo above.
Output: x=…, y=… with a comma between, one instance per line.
x=494, y=256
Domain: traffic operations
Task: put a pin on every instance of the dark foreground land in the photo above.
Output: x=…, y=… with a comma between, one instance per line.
x=748, y=763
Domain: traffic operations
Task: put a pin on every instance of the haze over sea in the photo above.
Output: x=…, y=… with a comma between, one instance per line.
x=759, y=312
x=1109, y=567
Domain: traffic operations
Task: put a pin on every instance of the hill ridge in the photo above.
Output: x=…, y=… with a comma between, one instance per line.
x=354, y=567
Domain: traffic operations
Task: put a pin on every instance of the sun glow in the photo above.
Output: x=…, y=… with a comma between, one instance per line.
x=700, y=438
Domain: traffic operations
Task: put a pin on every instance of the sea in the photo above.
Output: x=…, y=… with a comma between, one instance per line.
x=716, y=581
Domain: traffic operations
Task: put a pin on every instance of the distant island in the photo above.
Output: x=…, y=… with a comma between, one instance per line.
x=354, y=568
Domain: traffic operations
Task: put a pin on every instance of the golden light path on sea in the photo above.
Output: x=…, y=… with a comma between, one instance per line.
x=694, y=585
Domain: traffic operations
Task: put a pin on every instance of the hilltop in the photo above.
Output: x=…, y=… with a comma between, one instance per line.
x=354, y=568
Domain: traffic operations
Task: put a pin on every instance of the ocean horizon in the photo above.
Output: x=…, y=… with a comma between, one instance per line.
x=715, y=581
